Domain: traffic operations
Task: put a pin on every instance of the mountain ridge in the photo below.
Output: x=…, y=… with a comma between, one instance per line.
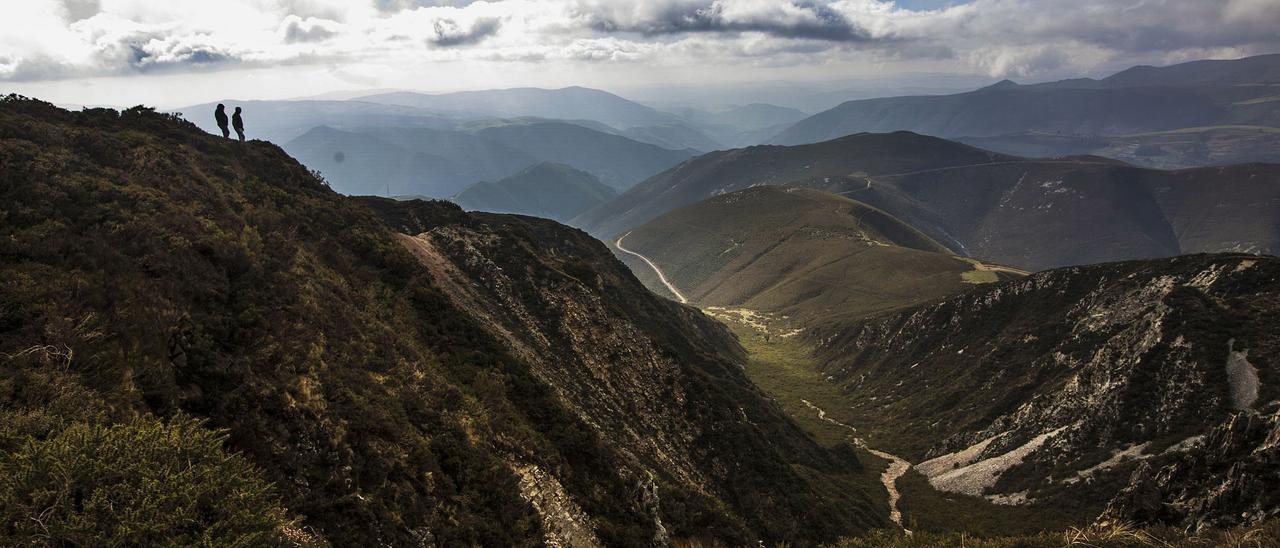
x=363, y=353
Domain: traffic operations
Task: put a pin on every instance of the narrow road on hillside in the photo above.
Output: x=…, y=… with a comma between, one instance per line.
x=897, y=466
x=656, y=270
x=979, y=265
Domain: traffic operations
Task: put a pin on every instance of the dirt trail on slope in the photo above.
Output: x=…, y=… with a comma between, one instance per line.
x=897, y=466
x=662, y=277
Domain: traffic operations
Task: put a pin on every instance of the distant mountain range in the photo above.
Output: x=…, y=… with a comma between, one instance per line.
x=570, y=103
x=391, y=161
x=283, y=121
x=553, y=191
x=1141, y=100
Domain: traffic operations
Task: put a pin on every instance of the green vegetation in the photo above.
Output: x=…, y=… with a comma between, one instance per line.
x=980, y=277
x=798, y=252
x=140, y=483
x=927, y=510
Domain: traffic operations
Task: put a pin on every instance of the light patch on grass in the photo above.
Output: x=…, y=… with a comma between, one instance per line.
x=979, y=277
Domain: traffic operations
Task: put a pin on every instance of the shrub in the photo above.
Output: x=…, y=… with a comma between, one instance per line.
x=142, y=483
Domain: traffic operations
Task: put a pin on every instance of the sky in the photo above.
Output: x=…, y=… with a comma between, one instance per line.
x=181, y=52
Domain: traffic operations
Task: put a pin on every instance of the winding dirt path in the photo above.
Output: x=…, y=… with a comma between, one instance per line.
x=658, y=271
x=897, y=466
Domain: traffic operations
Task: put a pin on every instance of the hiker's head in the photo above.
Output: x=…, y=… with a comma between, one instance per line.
x=237, y=110
x=220, y=107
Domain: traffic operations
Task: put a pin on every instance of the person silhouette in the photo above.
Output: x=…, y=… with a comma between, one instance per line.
x=238, y=123
x=220, y=114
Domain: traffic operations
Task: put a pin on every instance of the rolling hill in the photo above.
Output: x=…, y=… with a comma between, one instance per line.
x=178, y=307
x=1139, y=100
x=1026, y=213
x=798, y=252
x=727, y=171
x=553, y=191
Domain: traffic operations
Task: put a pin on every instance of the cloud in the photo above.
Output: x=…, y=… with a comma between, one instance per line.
x=783, y=18
x=449, y=32
x=295, y=29
x=58, y=39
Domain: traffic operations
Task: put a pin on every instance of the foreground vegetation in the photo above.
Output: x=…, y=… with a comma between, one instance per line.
x=1111, y=535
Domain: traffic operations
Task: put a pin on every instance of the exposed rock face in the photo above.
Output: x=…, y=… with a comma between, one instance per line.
x=1052, y=387
x=1233, y=479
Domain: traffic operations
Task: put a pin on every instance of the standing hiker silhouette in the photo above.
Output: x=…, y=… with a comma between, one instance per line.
x=220, y=114
x=238, y=123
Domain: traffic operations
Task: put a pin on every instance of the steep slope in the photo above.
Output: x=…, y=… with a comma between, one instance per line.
x=794, y=251
x=569, y=103
x=1054, y=387
x=553, y=191
x=404, y=372
x=727, y=171
x=1140, y=100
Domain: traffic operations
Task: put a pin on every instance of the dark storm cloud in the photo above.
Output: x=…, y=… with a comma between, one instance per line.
x=806, y=20
x=449, y=32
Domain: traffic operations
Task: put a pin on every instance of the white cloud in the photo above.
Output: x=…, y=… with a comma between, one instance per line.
x=58, y=39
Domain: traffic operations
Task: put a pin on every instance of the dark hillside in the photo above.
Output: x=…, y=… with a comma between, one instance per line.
x=148, y=269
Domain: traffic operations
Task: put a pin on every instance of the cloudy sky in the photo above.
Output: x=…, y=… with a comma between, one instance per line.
x=175, y=52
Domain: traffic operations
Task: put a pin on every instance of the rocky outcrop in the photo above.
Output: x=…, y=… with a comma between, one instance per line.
x=1055, y=387
x=1232, y=479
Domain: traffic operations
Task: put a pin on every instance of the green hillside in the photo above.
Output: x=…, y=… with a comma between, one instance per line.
x=798, y=252
x=553, y=191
